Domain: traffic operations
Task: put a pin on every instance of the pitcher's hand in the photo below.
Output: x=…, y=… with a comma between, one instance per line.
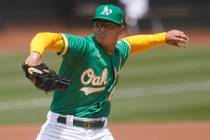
x=34, y=59
x=177, y=38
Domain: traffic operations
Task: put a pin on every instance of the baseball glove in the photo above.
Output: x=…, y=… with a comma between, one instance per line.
x=44, y=78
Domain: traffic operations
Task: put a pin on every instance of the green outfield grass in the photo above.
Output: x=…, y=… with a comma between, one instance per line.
x=163, y=84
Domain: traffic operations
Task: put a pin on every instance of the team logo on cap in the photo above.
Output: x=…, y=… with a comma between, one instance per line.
x=106, y=11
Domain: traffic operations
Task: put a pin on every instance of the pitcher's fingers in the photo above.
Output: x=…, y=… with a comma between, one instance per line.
x=182, y=40
x=183, y=36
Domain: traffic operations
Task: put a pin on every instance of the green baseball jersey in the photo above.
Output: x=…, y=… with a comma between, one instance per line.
x=93, y=73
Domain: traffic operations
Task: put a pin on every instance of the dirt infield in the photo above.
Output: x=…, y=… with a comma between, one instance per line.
x=126, y=131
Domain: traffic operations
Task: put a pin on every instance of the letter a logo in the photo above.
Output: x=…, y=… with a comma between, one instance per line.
x=106, y=11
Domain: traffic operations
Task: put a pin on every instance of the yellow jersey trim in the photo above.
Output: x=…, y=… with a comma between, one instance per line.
x=65, y=45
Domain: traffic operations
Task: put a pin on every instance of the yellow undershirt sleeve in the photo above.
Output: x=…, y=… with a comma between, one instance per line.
x=47, y=40
x=139, y=43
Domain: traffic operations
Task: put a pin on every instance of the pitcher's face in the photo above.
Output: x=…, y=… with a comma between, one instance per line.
x=106, y=32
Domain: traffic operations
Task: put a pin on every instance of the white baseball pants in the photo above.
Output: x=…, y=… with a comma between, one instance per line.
x=52, y=130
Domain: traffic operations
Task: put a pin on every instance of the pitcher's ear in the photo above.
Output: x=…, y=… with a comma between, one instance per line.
x=122, y=32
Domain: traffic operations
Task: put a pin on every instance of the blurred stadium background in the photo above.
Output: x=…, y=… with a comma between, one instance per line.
x=164, y=84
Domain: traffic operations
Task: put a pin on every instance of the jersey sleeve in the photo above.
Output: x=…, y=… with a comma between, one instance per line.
x=75, y=44
x=47, y=40
x=124, y=49
x=139, y=43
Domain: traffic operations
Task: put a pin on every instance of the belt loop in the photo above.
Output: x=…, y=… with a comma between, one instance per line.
x=105, y=122
x=69, y=120
x=49, y=114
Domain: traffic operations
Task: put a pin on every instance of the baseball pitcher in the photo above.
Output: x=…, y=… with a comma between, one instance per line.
x=88, y=74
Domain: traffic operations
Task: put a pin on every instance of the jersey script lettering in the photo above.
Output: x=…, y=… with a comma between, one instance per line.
x=89, y=77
